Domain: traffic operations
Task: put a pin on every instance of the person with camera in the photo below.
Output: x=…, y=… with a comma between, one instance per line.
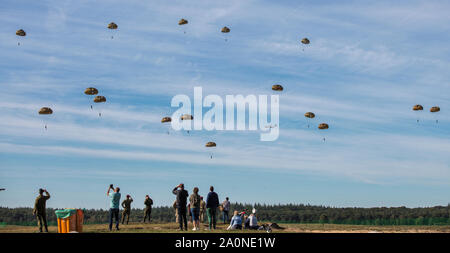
x=114, y=198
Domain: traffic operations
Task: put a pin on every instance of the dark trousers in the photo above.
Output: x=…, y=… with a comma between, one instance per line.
x=211, y=217
x=113, y=213
x=225, y=216
x=147, y=213
x=182, y=217
x=42, y=220
x=125, y=213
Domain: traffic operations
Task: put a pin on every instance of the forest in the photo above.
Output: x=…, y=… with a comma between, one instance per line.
x=287, y=213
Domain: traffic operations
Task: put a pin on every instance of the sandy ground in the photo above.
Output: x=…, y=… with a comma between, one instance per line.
x=289, y=228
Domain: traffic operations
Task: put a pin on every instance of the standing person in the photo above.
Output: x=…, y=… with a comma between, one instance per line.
x=39, y=209
x=148, y=202
x=126, y=204
x=182, y=196
x=113, y=206
x=194, y=201
x=226, y=210
x=202, y=209
x=212, y=202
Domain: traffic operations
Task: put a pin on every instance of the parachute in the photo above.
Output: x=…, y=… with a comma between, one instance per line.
x=210, y=145
x=187, y=117
x=45, y=111
x=112, y=26
x=435, y=109
x=91, y=91
x=310, y=115
x=182, y=22
x=99, y=99
x=225, y=29
x=323, y=126
x=277, y=87
x=166, y=119
x=305, y=41
x=21, y=33
x=417, y=108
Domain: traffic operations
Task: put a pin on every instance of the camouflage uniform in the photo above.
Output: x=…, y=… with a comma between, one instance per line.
x=126, y=204
x=202, y=210
x=39, y=211
x=148, y=208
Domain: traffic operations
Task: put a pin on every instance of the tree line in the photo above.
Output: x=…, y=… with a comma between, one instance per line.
x=286, y=213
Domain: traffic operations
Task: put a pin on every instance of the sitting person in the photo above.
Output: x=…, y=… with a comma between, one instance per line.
x=236, y=221
x=253, y=222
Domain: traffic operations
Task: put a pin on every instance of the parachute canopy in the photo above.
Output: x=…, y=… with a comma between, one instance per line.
x=45, y=110
x=91, y=91
x=323, y=126
x=187, y=117
x=21, y=32
x=310, y=115
x=435, y=109
x=277, y=87
x=99, y=99
x=112, y=25
x=166, y=119
x=417, y=108
x=210, y=144
x=182, y=21
x=225, y=29
x=305, y=41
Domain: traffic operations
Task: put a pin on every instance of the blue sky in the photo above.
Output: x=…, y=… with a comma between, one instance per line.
x=368, y=63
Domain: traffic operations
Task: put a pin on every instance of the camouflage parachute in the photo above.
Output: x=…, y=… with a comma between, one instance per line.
x=187, y=117
x=277, y=87
x=323, y=126
x=21, y=32
x=305, y=41
x=112, y=25
x=91, y=91
x=166, y=119
x=417, y=108
x=99, y=99
x=45, y=111
x=435, y=109
x=182, y=22
x=225, y=29
x=310, y=115
x=210, y=144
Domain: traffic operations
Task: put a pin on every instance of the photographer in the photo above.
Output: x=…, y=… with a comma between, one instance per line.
x=113, y=206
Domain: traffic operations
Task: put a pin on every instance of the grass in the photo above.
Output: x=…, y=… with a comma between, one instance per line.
x=221, y=228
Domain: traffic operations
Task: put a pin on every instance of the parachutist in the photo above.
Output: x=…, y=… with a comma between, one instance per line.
x=323, y=139
x=92, y=108
x=45, y=127
x=99, y=114
x=211, y=157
